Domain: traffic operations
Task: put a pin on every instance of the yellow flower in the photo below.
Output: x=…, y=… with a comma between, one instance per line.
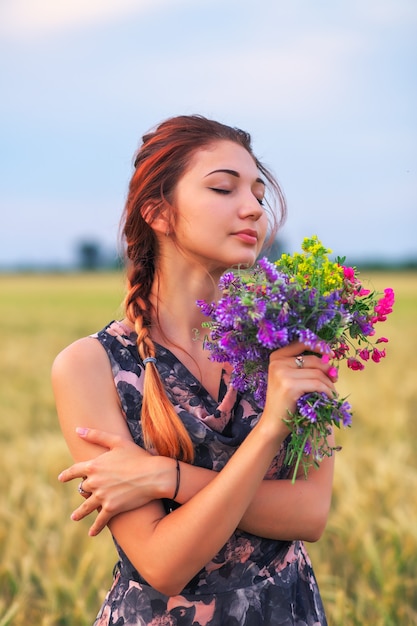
x=313, y=269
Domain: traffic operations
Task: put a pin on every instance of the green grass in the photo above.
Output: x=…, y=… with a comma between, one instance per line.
x=53, y=574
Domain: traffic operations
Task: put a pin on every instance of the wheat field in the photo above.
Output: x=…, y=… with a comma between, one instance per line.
x=53, y=574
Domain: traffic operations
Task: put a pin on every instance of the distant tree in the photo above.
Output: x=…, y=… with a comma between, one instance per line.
x=89, y=255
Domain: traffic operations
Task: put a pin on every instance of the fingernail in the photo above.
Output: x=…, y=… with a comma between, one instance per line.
x=333, y=373
x=60, y=476
x=81, y=431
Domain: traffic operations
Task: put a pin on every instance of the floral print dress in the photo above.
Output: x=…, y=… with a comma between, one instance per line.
x=252, y=581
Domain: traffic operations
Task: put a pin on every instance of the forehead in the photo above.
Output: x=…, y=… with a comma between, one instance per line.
x=223, y=155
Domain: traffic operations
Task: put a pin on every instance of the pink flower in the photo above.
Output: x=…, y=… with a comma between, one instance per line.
x=340, y=351
x=349, y=273
x=377, y=355
x=384, y=305
x=389, y=295
x=364, y=354
x=354, y=364
x=382, y=340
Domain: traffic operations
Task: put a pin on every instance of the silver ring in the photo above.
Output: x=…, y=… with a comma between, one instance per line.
x=82, y=491
x=299, y=361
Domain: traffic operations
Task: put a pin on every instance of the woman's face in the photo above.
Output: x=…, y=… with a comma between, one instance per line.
x=221, y=221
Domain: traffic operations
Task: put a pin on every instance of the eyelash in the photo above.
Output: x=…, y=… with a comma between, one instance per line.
x=226, y=191
x=223, y=191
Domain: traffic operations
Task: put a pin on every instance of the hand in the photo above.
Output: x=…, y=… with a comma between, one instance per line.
x=122, y=479
x=287, y=381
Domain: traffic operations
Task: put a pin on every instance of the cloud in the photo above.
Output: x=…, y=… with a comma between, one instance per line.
x=88, y=76
x=388, y=12
x=327, y=92
x=278, y=80
x=20, y=19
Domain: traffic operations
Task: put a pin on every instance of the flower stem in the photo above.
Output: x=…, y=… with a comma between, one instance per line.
x=300, y=454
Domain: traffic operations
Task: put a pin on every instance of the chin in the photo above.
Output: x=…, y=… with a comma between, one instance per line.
x=238, y=260
x=247, y=260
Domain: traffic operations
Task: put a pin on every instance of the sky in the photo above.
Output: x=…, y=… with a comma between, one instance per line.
x=327, y=89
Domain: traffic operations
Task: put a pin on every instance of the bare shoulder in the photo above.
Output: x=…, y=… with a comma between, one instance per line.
x=85, y=353
x=82, y=377
x=85, y=394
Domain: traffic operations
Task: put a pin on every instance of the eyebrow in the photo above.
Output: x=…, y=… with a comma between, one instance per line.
x=233, y=173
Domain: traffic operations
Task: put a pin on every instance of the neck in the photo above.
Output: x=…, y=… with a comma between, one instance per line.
x=178, y=319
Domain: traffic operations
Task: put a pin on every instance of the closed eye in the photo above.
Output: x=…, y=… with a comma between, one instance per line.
x=227, y=191
x=217, y=190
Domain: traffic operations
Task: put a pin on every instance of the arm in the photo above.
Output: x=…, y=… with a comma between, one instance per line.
x=127, y=477
x=279, y=509
x=156, y=544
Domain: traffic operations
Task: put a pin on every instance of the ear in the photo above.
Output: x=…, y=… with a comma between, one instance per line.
x=155, y=215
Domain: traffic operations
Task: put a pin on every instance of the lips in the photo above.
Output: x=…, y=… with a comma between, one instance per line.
x=248, y=235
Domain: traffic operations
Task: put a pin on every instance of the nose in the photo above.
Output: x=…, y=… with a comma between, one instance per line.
x=251, y=207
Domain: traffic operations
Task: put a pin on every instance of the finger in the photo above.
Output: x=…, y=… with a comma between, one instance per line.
x=328, y=387
x=318, y=386
x=313, y=379
x=292, y=349
x=316, y=375
x=83, y=493
x=317, y=362
x=298, y=348
x=100, y=437
x=78, y=470
x=88, y=506
x=100, y=522
x=323, y=363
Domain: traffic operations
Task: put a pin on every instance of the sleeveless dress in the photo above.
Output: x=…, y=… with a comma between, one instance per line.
x=252, y=581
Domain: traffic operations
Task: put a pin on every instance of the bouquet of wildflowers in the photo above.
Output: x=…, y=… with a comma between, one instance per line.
x=307, y=298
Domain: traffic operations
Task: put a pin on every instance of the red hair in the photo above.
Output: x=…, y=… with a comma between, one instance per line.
x=160, y=162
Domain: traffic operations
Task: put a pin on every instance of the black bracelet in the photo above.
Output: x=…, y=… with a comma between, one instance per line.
x=177, y=486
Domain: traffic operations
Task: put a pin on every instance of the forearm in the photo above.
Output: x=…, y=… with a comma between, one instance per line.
x=286, y=511
x=278, y=510
x=169, y=557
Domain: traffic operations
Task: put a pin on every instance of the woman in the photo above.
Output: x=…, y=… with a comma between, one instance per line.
x=188, y=475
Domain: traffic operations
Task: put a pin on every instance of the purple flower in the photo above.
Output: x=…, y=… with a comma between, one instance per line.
x=306, y=410
x=207, y=308
x=270, y=269
x=308, y=448
x=346, y=413
x=267, y=308
x=307, y=337
x=266, y=334
x=226, y=280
